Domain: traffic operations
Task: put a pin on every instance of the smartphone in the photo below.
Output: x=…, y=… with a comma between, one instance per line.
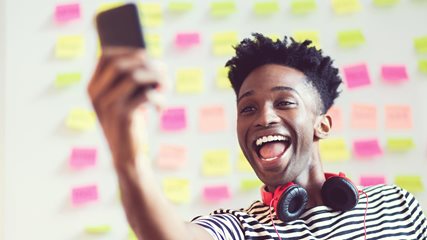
x=120, y=27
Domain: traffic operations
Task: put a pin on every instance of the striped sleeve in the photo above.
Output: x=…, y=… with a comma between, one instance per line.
x=221, y=226
x=418, y=218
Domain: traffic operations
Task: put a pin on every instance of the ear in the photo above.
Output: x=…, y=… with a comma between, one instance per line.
x=323, y=126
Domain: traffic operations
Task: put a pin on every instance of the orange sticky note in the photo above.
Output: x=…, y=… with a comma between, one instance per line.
x=212, y=119
x=363, y=116
x=171, y=156
x=398, y=117
x=337, y=120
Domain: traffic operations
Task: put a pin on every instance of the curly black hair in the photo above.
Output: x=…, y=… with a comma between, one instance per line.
x=252, y=53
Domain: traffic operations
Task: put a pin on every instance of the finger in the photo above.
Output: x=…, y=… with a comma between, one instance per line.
x=117, y=96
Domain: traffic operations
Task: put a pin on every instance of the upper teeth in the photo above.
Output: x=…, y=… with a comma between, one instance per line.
x=269, y=138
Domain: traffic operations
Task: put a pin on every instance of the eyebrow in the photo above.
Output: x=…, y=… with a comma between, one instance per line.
x=274, y=89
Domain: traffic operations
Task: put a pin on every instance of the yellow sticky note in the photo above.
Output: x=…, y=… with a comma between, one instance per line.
x=303, y=6
x=81, y=119
x=151, y=14
x=266, y=7
x=351, y=38
x=400, y=144
x=180, y=6
x=177, y=190
x=334, y=150
x=422, y=65
x=109, y=5
x=216, y=163
x=411, y=183
x=346, y=6
x=223, y=8
x=222, y=81
x=67, y=79
x=189, y=80
x=274, y=36
x=243, y=164
x=69, y=46
x=250, y=184
x=99, y=229
x=223, y=43
x=154, y=46
x=131, y=235
x=301, y=36
x=385, y=3
x=420, y=44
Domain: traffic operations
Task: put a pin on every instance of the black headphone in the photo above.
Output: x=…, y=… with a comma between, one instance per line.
x=289, y=200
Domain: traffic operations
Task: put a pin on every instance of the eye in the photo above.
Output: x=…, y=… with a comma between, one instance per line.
x=285, y=103
x=247, y=110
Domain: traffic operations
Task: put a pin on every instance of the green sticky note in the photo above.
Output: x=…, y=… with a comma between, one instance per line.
x=266, y=7
x=346, y=6
x=422, y=65
x=303, y=6
x=189, y=80
x=250, y=184
x=180, y=6
x=420, y=44
x=223, y=8
x=411, y=183
x=216, y=163
x=334, y=150
x=67, y=79
x=400, y=144
x=350, y=38
x=385, y=3
x=99, y=229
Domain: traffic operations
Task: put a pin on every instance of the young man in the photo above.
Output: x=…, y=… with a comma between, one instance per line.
x=283, y=91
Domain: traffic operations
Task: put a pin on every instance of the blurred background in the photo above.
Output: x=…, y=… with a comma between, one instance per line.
x=57, y=180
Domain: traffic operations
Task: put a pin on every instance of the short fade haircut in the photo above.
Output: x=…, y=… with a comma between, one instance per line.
x=261, y=50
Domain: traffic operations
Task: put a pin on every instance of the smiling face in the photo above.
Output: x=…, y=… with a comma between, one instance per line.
x=277, y=115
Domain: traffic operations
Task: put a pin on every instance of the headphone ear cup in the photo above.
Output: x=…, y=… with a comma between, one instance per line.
x=291, y=203
x=340, y=194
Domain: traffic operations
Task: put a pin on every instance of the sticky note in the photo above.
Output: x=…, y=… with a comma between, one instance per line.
x=173, y=119
x=216, y=193
x=151, y=14
x=187, y=39
x=367, y=148
x=334, y=150
x=346, y=6
x=398, y=117
x=189, y=80
x=212, y=119
x=171, y=156
x=400, y=144
x=67, y=79
x=216, y=163
x=154, y=45
x=84, y=194
x=250, y=184
x=411, y=183
x=303, y=6
x=177, y=190
x=394, y=73
x=83, y=157
x=371, y=180
x=363, y=116
x=313, y=36
x=351, y=38
x=274, y=36
x=385, y=3
x=337, y=119
x=356, y=76
x=223, y=43
x=108, y=5
x=222, y=8
x=132, y=235
x=420, y=44
x=242, y=163
x=222, y=81
x=69, y=47
x=67, y=12
x=266, y=7
x=81, y=119
x=422, y=65
x=98, y=229
x=180, y=6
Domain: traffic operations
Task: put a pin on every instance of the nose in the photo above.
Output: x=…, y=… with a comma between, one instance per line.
x=267, y=117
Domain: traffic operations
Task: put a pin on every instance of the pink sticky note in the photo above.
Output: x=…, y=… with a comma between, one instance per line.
x=173, y=119
x=216, y=193
x=394, y=73
x=212, y=118
x=367, y=148
x=398, y=117
x=337, y=120
x=84, y=194
x=356, y=76
x=363, y=116
x=67, y=12
x=171, y=156
x=185, y=40
x=82, y=157
x=370, y=180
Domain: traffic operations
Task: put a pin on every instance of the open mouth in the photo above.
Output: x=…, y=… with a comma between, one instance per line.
x=271, y=147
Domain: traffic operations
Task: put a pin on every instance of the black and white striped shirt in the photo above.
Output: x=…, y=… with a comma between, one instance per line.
x=392, y=213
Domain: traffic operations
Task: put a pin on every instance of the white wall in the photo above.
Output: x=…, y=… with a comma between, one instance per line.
x=37, y=180
x=2, y=112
